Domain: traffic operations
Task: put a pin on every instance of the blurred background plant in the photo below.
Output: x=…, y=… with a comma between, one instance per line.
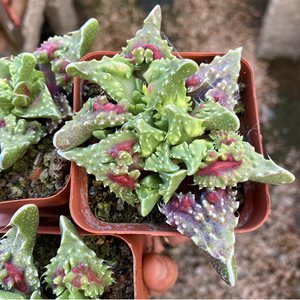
x=268, y=30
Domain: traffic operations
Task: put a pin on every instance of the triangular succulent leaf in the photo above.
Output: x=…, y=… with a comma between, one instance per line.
x=59, y=51
x=97, y=113
x=191, y=154
x=208, y=219
x=114, y=75
x=165, y=80
x=18, y=272
x=160, y=161
x=235, y=161
x=171, y=182
x=181, y=126
x=149, y=137
x=117, y=163
x=148, y=45
x=218, y=80
x=215, y=116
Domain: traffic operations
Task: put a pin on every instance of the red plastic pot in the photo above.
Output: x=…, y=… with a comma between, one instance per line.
x=58, y=199
x=49, y=220
x=253, y=212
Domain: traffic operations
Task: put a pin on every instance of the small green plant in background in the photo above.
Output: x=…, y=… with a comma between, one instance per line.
x=74, y=273
x=35, y=86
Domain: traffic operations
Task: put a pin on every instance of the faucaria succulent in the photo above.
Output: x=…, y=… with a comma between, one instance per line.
x=182, y=131
x=18, y=274
x=76, y=272
x=30, y=88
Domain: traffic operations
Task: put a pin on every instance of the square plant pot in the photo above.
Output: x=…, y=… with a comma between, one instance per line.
x=253, y=212
x=49, y=219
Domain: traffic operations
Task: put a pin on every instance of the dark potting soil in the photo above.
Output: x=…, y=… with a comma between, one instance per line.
x=109, y=208
x=39, y=173
x=113, y=250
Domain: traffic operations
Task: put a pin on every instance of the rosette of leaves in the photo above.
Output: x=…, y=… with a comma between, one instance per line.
x=18, y=274
x=76, y=272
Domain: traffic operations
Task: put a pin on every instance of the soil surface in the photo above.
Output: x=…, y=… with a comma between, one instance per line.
x=108, y=208
x=39, y=173
x=268, y=259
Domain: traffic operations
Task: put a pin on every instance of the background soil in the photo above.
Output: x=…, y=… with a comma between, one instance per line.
x=268, y=259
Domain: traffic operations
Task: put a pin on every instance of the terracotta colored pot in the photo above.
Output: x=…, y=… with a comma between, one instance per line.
x=58, y=199
x=253, y=212
x=49, y=220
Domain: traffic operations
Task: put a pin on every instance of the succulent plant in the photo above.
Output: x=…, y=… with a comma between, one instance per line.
x=18, y=274
x=182, y=132
x=30, y=86
x=76, y=272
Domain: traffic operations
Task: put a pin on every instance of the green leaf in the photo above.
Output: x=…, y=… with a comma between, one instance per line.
x=114, y=75
x=160, y=160
x=16, y=248
x=16, y=136
x=182, y=127
x=149, y=137
x=171, y=182
x=191, y=154
x=166, y=83
x=75, y=262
